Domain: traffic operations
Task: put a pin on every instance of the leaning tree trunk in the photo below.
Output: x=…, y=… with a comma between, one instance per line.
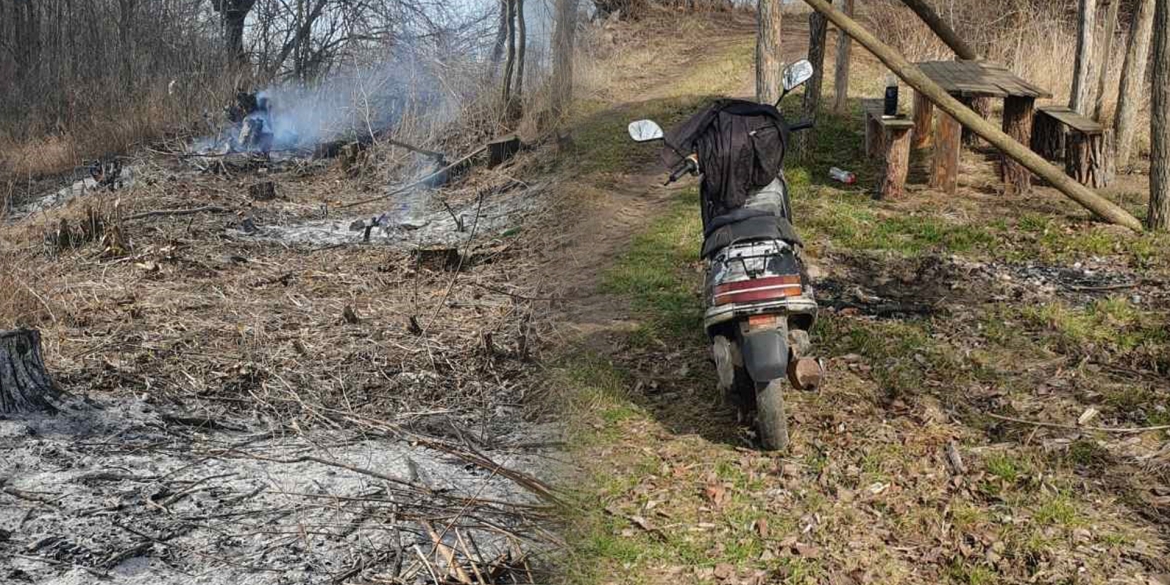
x=1082, y=88
x=1133, y=81
x=769, y=60
x=25, y=385
x=1159, y=218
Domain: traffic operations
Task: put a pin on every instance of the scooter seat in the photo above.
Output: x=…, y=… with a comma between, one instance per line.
x=744, y=225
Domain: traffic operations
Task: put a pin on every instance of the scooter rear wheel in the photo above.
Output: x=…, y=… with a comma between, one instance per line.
x=771, y=421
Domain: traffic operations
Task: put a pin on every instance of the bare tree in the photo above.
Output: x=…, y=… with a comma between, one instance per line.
x=1106, y=55
x=1082, y=88
x=562, y=74
x=844, y=54
x=1159, y=217
x=234, y=14
x=521, y=50
x=769, y=59
x=510, y=62
x=1133, y=81
x=818, y=27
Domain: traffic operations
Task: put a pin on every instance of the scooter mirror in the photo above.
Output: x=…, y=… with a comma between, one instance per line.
x=645, y=130
x=796, y=74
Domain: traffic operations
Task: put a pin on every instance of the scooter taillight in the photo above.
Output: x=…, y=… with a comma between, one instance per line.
x=758, y=289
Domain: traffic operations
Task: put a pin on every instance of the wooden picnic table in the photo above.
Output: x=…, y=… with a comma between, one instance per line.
x=969, y=81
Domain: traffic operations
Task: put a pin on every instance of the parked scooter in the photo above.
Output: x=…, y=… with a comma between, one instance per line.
x=760, y=305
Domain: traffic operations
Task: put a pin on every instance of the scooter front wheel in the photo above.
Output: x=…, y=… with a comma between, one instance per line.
x=771, y=422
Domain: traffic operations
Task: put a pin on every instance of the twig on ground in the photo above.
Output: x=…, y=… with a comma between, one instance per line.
x=1123, y=430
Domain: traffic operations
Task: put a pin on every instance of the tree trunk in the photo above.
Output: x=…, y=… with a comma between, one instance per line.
x=818, y=27
x=1106, y=55
x=844, y=53
x=521, y=49
x=1159, y=217
x=562, y=75
x=510, y=62
x=1018, y=115
x=25, y=385
x=769, y=59
x=914, y=77
x=943, y=30
x=1082, y=88
x=501, y=37
x=1133, y=81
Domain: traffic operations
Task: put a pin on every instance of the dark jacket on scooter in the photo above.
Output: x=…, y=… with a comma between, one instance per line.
x=740, y=145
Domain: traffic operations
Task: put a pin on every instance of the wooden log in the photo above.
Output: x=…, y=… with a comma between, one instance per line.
x=914, y=77
x=947, y=145
x=25, y=385
x=1047, y=136
x=769, y=60
x=897, y=167
x=923, y=121
x=1088, y=159
x=1159, y=216
x=1018, y=114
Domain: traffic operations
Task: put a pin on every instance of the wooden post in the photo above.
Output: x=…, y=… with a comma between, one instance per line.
x=914, y=77
x=1082, y=88
x=897, y=167
x=1106, y=54
x=1018, y=113
x=818, y=27
x=25, y=385
x=923, y=121
x=947, y=145
x=1133, y=81
x=844, y=50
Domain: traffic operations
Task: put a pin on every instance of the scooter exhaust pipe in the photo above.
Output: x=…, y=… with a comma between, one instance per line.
x=805, y=373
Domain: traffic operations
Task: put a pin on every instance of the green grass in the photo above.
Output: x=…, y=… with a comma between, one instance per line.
x=1110, y=326
x=658, y=274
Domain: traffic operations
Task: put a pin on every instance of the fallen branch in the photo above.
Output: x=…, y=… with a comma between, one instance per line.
x=1124, y=430
x=177, y=212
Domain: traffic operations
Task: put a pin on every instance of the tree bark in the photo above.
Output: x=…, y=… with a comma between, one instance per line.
x=1018, y=114
x=769, y=59
x=1159, y=216
x=510, y=62
x=844, y=54
x=1106, y=55
x=234, y=14
x=1133, y=81
x=521, y=49
x=942, y=29
x=501, y=37
x=947, y=146
x=919, y=81
x=897, y=165
x=1082, y=88
x=818, y=27
x=562, y=75
x=25, y=385
x=923, y=121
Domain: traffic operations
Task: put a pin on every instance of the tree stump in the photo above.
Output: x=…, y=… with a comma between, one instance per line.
x=980, y=105
x=923, y=121
x=1088, y=159
x=947, y=145
x=25, y=385
x=893, y=181
x=1047, y=136
x=1018, y=115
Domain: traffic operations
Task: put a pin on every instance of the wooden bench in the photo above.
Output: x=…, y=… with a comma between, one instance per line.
x=888, y=139
x=1061, y=133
